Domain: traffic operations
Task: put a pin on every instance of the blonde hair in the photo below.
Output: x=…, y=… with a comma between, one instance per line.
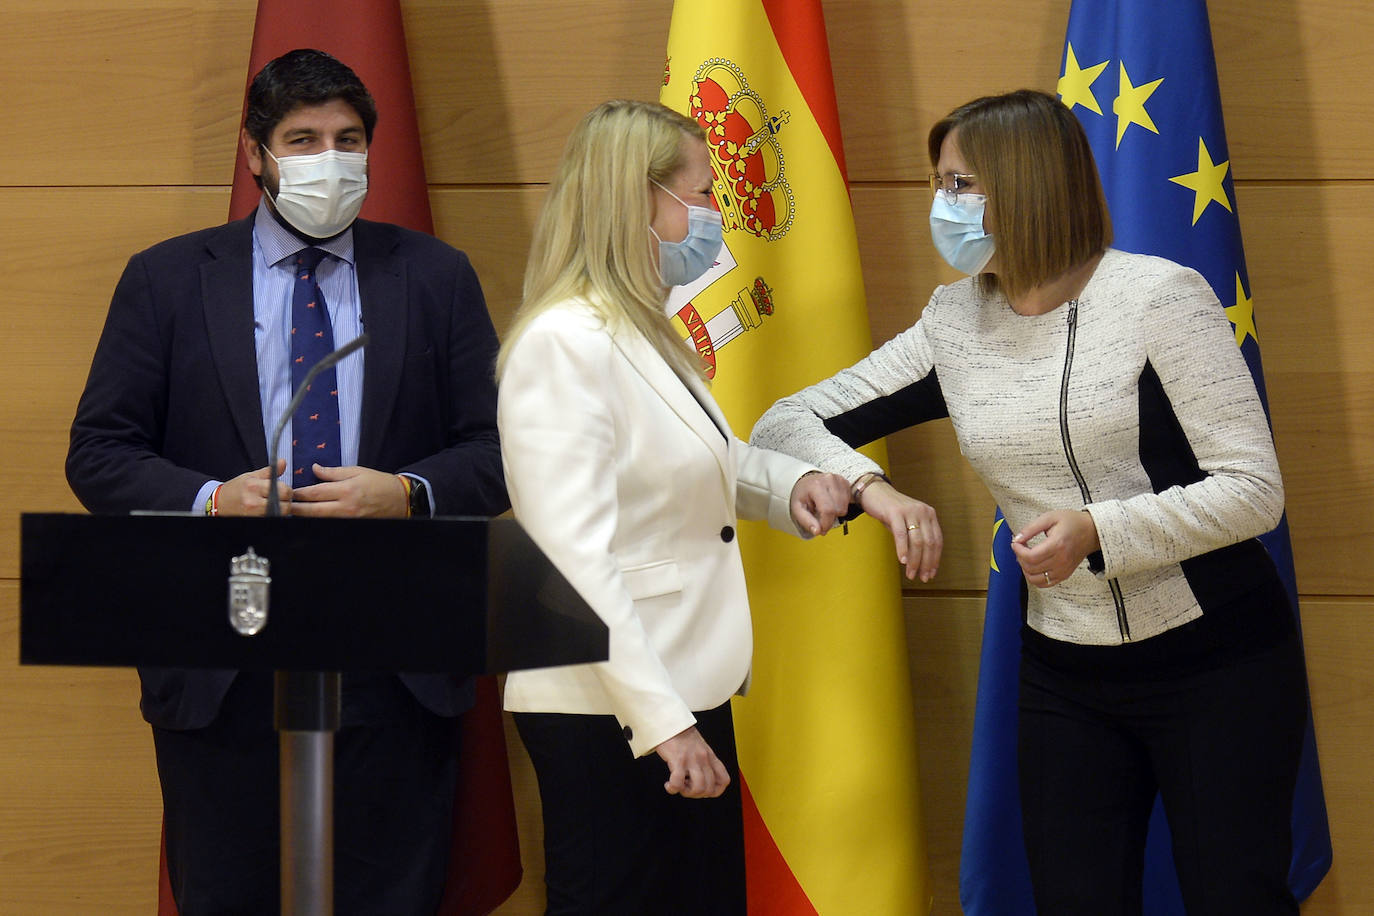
x=1034, y=161
x=592, y=237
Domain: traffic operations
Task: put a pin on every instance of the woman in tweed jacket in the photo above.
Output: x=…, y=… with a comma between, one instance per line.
x=1102, y=399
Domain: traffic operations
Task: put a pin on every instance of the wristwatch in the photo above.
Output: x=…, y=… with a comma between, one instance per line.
x=419, y=498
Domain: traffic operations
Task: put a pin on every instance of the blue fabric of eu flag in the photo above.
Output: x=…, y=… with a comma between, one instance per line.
x=1141, y=77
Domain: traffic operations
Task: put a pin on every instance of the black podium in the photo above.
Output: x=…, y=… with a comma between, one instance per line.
x=461, y=595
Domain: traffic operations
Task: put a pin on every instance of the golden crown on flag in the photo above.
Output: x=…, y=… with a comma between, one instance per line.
x=752, y=190
x=753, y=304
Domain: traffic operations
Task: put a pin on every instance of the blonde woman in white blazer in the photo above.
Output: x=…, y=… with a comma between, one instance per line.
x=624, y=471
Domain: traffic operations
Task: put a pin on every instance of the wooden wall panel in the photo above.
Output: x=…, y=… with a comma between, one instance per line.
x=1294, y=87
x=944, y=634
x=1304, y=241
x=500, y=84
x=1339, y=643
x=128, y=92
x=900, y=67
x=504, y=83
x=79, y=803
x=1292, y=74
x=494, y=227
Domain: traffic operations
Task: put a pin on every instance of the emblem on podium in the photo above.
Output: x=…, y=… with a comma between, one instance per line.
x=248, y=592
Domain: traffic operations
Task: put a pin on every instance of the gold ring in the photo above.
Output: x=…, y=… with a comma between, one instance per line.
x=1047, y=578
x=912, y=527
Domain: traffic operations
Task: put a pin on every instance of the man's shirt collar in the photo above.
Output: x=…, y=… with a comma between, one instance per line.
x=279, y=243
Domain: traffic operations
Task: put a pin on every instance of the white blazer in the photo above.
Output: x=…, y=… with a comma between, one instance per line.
x=632, y=486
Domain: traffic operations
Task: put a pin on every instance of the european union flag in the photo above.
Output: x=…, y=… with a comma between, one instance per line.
x=1141, y=77
x=994, y=877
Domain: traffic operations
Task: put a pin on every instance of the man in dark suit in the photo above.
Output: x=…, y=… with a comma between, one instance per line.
x=192, y=371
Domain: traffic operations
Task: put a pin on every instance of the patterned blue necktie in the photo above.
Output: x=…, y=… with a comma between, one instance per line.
x=315, y=424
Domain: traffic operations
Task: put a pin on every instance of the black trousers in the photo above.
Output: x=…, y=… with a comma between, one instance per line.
x=617, y=844
x=1221, y=746
x=394, y=776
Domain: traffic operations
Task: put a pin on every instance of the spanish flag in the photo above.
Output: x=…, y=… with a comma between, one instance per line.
x=826, y=736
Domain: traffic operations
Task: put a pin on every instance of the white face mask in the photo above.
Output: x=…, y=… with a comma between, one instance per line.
x=957, y=230
x=679, y=263
x=321, y=194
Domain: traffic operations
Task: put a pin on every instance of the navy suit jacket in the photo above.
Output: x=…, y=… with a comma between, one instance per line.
x=173, y=400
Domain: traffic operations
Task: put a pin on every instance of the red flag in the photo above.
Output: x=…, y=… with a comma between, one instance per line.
x=368, y=36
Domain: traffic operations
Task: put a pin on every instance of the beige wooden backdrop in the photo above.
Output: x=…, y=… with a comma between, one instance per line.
x=121, y=117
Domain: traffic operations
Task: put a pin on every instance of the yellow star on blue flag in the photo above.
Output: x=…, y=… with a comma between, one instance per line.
x=1206, y=182
x=1075, y=86
x=1129, y=106
x=1242, y=315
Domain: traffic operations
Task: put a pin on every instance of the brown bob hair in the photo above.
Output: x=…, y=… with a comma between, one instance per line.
x=1033, y=160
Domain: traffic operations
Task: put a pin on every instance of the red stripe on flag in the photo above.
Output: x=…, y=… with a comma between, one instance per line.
x=773, y=889
x=166, y=903
x=484, y=861
x=799, y=29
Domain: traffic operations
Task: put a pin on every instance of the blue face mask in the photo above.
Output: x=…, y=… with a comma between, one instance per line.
x=957, y=229
x=679, y=263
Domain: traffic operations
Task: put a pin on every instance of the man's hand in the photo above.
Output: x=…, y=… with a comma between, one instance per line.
x=351, y=492
x=246, y=494
x=818, y=501
x=694, y=770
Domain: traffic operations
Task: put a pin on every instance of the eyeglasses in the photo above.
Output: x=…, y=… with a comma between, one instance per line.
x=958, y=183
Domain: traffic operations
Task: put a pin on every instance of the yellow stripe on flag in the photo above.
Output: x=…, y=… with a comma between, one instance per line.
x=826, y=737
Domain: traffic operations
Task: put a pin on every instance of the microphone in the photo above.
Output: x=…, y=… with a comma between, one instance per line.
x=357, y=343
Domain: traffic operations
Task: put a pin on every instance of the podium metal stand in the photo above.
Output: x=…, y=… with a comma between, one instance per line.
x=462, y=596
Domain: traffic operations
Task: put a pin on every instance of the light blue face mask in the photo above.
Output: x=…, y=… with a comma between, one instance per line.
x=679, y=263
x=957, y=229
